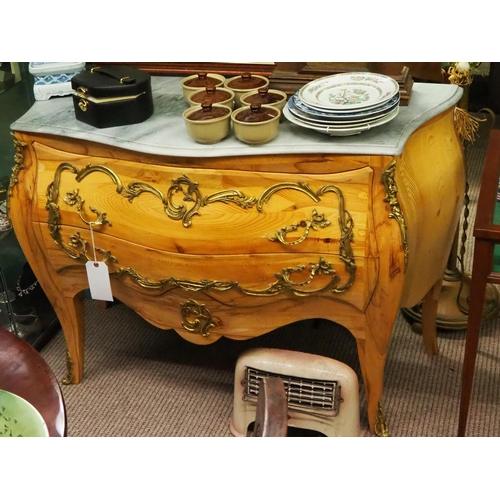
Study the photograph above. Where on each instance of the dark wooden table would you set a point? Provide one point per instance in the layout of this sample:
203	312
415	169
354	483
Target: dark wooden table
25	373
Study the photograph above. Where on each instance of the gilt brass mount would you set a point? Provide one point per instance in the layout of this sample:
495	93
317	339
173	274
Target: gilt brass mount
284	283
69	377
18	164
389	181
77	247
316	222
381	428
73	198
196	318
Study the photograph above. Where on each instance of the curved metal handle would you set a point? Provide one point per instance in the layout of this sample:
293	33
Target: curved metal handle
316	222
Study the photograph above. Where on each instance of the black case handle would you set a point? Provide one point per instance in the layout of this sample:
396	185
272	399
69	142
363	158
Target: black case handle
108	71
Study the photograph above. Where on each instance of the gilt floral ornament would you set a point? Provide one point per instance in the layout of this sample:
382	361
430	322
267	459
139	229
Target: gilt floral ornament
460	73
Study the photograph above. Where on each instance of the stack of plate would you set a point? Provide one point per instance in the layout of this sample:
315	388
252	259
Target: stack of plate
344	104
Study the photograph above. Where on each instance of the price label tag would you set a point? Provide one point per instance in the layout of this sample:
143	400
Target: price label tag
99	283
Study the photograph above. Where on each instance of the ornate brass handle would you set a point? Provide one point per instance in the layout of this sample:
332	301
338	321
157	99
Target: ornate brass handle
72	198
316	222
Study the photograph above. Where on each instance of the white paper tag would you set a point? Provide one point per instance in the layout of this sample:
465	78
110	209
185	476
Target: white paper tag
99	284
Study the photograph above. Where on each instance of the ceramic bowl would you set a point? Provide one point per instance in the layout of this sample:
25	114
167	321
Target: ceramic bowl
20	418
194	83
265	95
208	123
213	95
256	124
243	84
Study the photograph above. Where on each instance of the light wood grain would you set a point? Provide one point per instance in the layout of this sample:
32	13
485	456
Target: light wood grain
145	216
228	243
431	179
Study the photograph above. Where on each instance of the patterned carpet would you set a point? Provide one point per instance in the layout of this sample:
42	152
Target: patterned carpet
142	381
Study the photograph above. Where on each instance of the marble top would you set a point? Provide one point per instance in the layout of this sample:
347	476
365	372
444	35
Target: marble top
164	133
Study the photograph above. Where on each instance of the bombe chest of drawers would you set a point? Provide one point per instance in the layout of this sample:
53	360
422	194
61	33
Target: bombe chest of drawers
234	240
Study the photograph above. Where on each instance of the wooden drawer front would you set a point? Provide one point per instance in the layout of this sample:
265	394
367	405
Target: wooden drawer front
201	319
236	280
199	211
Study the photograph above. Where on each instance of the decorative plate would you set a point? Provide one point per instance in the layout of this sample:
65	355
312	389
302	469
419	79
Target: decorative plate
18	418
339	130
349	91
334	124
300	110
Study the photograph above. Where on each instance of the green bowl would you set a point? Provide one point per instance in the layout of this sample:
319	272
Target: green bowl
18	418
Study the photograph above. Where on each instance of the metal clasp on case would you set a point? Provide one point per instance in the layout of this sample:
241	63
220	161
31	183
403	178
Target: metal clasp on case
83	105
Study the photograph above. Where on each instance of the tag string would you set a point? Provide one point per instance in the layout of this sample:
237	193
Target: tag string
93	244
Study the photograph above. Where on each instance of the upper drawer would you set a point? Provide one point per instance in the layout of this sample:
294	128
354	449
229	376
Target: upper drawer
200	211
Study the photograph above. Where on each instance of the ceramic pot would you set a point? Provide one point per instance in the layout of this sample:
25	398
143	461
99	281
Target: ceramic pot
194	83
212	95
256	124
243	84
265	95
208	123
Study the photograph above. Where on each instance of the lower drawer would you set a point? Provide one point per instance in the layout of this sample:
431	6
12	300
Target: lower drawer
234	280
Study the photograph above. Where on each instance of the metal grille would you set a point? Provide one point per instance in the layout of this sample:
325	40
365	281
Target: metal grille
302	394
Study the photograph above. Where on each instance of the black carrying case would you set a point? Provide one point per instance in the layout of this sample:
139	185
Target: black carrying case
110	96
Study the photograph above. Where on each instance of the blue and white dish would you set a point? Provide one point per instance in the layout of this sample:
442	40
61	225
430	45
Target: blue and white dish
349	91
301	111
297	104
340	130
344	104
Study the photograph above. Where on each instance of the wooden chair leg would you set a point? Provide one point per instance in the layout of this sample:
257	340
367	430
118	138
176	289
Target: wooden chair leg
482	265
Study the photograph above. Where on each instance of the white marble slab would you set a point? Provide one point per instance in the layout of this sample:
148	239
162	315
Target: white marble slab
164	133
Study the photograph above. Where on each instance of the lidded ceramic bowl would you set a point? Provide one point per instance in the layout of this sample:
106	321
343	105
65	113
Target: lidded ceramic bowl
256	124
194	83
265	95
208	123
214	95
242	84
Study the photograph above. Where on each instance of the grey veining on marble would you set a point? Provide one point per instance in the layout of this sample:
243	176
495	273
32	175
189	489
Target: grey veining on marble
164	132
